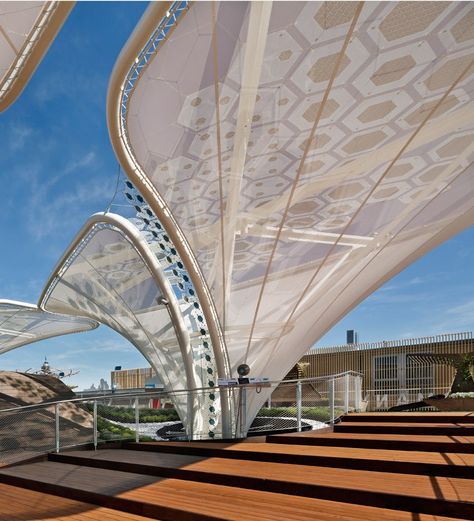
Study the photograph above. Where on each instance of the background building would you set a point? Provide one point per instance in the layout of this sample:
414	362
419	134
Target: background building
393	371
131	378
392	375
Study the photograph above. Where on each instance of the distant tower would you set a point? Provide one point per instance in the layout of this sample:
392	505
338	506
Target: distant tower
351	336
45	368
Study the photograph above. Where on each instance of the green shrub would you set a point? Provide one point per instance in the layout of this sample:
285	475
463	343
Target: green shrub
109	431
463	380
127	414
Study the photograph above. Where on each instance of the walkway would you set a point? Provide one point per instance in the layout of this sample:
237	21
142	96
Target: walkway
290	477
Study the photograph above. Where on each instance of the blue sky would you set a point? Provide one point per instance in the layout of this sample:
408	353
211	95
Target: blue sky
57	167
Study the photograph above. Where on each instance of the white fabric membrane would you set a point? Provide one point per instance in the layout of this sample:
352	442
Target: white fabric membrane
17	21
338	150
22	323
107	279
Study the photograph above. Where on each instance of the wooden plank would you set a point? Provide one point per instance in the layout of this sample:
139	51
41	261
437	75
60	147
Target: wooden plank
430	443
448	496
200	501
242	471
258	449
23	504
414	462
415	414
418	429
457	426
411	417
235	504
285	479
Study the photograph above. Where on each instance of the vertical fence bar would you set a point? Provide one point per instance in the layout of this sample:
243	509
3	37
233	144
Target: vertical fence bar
56	430
298	405
358	393
243	410
95	424
137	420
346	393
331	399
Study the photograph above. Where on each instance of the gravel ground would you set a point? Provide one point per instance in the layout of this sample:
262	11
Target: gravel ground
150	429
315	424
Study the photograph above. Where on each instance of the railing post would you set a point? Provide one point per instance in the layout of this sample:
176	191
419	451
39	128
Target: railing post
190	402
56	430
137	420
358	393
331	400
95	424
298	405
346	393
243	409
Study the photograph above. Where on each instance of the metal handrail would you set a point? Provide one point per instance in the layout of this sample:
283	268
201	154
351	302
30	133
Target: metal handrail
400	389
150	394
337	395
328	377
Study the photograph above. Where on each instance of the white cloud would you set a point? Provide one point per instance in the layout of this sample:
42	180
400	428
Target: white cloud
414	281
463	313
18	137
97	346
68	84
399	298
456	319
77	164
52	213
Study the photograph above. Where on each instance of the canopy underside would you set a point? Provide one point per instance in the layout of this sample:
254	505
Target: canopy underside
308	152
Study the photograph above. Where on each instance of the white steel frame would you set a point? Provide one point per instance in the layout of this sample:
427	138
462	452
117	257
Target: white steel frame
131	63
151	262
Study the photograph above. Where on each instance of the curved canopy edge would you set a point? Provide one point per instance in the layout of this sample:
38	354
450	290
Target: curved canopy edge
22	323
159	20
37	43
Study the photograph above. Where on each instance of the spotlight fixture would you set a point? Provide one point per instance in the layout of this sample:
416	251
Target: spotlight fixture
243	370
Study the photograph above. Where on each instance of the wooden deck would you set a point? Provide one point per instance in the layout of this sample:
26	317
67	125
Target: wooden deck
19	504
410	417
408	462
294	477
179	499
406	442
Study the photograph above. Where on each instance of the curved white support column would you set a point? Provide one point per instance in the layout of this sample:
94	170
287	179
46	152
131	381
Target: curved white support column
109	273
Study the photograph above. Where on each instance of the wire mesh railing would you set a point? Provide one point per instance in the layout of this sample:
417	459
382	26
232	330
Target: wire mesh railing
309	403
27	431
378	400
